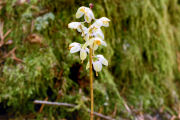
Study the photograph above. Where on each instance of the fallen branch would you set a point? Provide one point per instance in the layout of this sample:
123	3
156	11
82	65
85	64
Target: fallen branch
13	55
71	105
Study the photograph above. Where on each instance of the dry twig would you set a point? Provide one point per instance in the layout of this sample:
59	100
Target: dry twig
13	55
71	105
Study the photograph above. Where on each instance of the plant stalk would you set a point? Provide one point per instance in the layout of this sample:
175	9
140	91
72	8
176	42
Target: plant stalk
91	82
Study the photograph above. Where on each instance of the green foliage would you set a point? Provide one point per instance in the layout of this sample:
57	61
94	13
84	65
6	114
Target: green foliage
143	41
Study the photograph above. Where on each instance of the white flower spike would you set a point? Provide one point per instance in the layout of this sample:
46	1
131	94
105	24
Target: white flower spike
93	37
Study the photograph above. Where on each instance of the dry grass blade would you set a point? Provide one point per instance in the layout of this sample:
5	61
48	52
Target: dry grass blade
13	55
127	107
1	31
7	33
2	35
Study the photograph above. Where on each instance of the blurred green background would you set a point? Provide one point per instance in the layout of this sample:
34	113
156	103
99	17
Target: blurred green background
143	76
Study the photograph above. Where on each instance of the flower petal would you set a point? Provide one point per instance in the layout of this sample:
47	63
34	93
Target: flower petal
103	43
83	54
95	47
80	12
88	15
74	44
75	47
105	21
101	22
74	25
90	42
87	66
99	41
82	28
97	66
98	33
87	50
87	12
102	60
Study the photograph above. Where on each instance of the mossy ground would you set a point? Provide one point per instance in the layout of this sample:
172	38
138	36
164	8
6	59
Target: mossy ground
143	44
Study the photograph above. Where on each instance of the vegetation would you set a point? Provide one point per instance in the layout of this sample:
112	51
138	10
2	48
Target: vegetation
143	53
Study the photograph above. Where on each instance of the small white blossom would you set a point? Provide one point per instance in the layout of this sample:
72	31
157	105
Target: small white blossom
98	33
87	12
101	22
97	64
102	60
96	42
75	47
77	25
74	25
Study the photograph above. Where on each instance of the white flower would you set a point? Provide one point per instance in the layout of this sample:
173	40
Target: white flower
77	25
87	12
101	22
74	25
76	47
96	42
82	28
97	64
102	60
98	33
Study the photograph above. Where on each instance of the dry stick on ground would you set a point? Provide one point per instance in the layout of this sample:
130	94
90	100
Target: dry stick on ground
100	111
42	106
115	111
2	37
71	105
13	55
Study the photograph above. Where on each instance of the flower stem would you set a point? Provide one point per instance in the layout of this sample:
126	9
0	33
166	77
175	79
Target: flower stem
91	81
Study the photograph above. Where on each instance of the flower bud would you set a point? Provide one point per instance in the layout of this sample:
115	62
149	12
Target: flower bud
91	5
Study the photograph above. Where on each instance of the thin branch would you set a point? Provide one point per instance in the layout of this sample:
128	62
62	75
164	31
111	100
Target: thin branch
13	55
71	105
42	106
9	53
54	103
1	30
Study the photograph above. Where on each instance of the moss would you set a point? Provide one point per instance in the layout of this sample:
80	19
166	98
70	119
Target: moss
143	41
